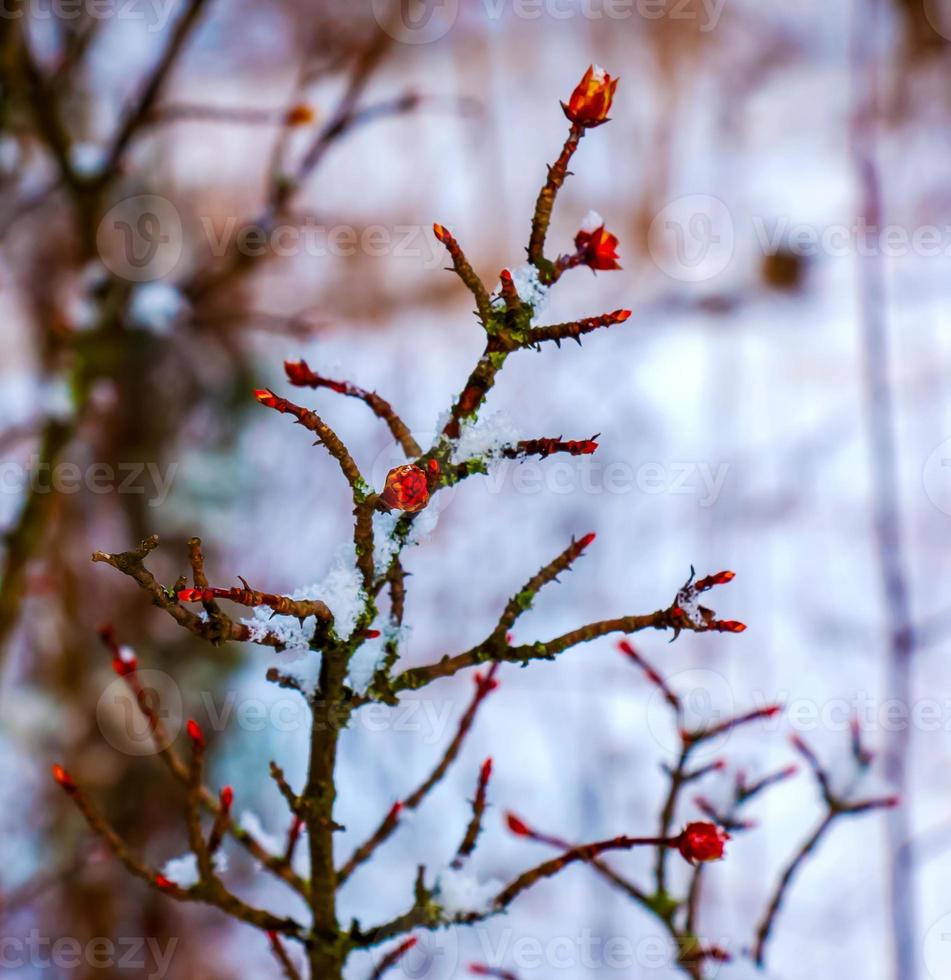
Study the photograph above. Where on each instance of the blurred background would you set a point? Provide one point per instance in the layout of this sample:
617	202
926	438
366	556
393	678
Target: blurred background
778	177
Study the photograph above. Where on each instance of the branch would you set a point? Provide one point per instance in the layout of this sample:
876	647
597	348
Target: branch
484	686
548	446
836	807
584	852
325	437
280	604
392	958
212	893
474	828
217	629
127	668
576	328
521	602
298	373
138	114
417	677
546	197
283	957
466	273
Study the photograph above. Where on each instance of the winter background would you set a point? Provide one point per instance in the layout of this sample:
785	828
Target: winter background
740	427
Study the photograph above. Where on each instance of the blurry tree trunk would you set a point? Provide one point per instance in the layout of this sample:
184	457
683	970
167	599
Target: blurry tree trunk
880	421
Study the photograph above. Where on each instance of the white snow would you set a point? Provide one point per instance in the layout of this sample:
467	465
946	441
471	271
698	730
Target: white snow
364	664
251	823
156	307
591	222
56	399
183	871
459	890
126	654
87	159
304	669
528	287
485	437
342	590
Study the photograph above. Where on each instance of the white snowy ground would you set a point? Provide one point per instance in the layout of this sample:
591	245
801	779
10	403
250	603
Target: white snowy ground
728	440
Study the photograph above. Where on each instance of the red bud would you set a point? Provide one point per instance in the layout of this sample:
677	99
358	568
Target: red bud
226	796
64	779
124	663
591	100
195	733
517	826
406	489
727	626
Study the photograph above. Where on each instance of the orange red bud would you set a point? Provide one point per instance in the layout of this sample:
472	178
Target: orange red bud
226	797
728	626
301	114
702	841
517	826
124	663
195	733
64	779
598	249
406	489
591	100
441	233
